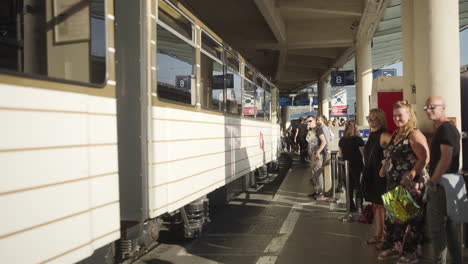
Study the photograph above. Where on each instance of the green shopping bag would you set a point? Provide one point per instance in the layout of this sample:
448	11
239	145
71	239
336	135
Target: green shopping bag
400	205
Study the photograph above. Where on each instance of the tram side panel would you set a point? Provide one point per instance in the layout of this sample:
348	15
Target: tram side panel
196	153
58	152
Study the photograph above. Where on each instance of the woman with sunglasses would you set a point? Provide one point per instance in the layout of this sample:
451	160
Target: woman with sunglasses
374	186
405	159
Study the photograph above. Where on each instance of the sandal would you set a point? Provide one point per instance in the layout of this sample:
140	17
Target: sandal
382	245
408	259
373	240
387	254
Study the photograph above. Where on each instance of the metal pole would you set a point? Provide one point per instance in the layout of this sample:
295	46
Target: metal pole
348	217
333	172
348	202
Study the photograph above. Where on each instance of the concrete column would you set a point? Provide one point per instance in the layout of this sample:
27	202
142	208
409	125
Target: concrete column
323	101
408	51
437	62
364	79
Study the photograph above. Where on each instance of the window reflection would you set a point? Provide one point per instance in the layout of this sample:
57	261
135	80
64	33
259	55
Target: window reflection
249	99
175	59
212	79
68	43
259	102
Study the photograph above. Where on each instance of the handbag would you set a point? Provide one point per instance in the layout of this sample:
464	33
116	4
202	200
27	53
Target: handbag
400	205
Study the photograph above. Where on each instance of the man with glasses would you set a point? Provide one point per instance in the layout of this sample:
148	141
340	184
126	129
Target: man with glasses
317	145
445	155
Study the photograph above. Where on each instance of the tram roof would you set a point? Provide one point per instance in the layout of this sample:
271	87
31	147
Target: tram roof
296	42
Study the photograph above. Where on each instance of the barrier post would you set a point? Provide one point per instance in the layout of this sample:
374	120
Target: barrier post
348	217
333	172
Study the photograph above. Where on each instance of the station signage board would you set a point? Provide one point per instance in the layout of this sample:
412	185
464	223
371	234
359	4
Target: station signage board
339	109
342	78
383	72
183	82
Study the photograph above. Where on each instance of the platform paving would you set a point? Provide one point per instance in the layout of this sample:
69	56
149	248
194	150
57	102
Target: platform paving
280	224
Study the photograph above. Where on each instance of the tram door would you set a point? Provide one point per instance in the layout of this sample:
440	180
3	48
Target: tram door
386	100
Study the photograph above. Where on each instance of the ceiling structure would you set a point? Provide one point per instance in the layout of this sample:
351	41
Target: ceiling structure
387	39
292	42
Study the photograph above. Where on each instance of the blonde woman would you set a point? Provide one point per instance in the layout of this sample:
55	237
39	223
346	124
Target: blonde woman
351	148
406	157
374	186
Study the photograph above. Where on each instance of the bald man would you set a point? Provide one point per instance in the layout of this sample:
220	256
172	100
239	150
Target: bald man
445	155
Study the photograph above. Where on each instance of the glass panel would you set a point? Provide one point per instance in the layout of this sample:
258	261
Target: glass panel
259	81
233	92
232	62
259	102
175	76
58	39
249	74
211	46
175	20
267	106
212	79
249	99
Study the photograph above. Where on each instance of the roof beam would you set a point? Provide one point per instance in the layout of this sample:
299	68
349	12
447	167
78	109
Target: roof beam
351	8
321	11
273	17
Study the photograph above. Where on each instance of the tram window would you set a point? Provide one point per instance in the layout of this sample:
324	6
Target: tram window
175	20
249	74
259	80
212	79
233	85
211	46
260	102
249	108
175	75
66	43
267	102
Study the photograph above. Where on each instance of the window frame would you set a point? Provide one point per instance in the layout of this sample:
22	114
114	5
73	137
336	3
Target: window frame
191	42
226	65
211	56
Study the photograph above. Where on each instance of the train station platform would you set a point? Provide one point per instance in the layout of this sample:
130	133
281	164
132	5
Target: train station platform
278	223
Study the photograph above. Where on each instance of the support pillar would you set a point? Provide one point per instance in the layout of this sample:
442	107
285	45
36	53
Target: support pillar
364	79
437	57
322	88
408	51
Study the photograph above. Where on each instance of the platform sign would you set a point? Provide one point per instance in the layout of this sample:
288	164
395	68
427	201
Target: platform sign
384	72
285	101
339	109
183	82
342	78
305	102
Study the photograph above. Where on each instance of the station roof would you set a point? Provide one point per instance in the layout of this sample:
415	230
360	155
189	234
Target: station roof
296	42
387	39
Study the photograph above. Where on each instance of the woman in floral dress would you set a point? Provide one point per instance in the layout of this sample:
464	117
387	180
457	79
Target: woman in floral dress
405	160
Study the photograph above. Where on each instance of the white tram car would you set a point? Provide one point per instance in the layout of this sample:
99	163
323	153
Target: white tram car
115	113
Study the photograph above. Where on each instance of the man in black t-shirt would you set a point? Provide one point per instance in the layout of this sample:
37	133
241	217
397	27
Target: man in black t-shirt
445	155
301	138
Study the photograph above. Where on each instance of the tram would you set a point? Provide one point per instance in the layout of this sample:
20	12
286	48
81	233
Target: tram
119	115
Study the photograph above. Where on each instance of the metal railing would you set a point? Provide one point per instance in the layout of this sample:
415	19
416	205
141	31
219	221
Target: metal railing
338	168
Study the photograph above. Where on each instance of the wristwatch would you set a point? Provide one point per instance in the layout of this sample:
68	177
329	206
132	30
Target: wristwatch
430	183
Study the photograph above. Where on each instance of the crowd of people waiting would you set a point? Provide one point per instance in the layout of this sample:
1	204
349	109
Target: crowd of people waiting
385	162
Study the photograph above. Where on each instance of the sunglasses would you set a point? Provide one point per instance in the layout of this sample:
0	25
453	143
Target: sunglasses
431	107
372	118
